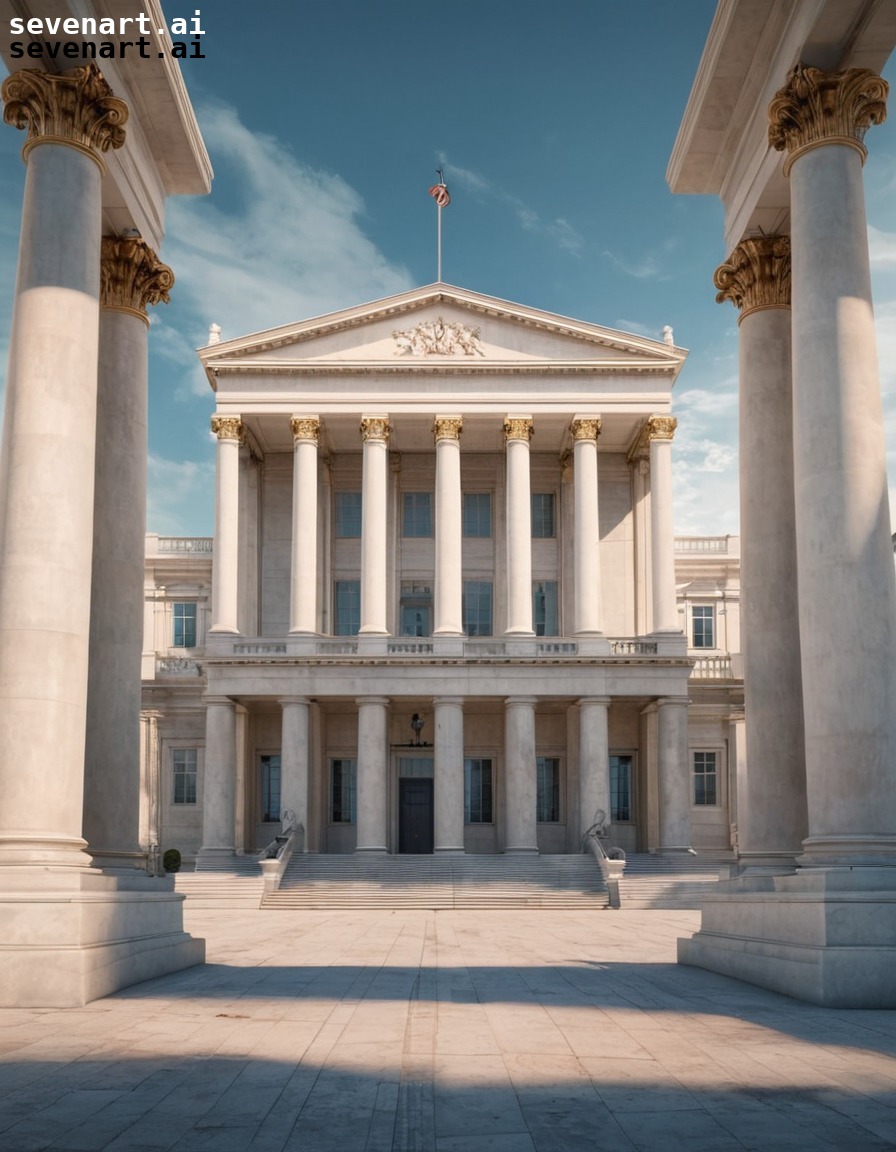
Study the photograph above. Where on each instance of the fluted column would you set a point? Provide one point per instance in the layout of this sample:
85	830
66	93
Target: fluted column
847	592
521	777
373	777
588	603
225	571
594	762
303	568
47	464
374	488
132	278
772	822
674	774
449	583
448	771
517	434
218	788
660	430
294	759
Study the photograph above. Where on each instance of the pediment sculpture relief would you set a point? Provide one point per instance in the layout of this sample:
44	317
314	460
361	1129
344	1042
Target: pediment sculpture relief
438	338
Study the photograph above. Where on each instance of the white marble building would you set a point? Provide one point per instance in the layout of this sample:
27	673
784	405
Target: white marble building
449	510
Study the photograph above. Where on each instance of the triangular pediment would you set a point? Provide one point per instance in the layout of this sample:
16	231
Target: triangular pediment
440	328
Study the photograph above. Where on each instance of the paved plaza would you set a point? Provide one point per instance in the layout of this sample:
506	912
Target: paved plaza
445	1031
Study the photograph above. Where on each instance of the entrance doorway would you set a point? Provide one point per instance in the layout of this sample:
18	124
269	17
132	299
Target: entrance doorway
415	816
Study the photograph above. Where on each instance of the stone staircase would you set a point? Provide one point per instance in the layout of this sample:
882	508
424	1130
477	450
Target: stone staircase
656	882
437	882
238	885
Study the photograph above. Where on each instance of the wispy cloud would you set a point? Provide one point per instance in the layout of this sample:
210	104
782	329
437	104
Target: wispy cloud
181	495
882	248
646	267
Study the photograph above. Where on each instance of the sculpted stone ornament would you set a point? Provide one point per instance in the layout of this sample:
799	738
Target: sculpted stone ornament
305	428
75	107
447	427
817	107
586	429
661	427
518	428
132	276
438	338
756	275
375	428
228	428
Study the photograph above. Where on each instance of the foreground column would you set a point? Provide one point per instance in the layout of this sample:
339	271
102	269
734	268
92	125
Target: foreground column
374	487
372	780
132	278
594	764
847	594
517	434
294	756
218	783
660	430
674	774
521	778
47	464
448	770
225	571
449	584
588	607
773	822
303	568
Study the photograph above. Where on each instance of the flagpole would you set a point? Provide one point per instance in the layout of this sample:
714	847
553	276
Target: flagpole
439	247
439	193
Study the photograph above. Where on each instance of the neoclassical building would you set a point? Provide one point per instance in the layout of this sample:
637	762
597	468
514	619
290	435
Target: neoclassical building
443	613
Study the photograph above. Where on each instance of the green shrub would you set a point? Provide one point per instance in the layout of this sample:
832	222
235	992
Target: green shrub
171	860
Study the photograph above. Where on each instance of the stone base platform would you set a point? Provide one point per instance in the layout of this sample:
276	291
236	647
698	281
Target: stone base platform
68	939
824	935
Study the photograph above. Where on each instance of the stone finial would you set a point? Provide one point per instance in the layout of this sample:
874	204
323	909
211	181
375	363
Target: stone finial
228	428
132	276
816	107
668	337
518	428
375	428
75	107
661	427
305	428
447	428
214	334
756	274
588	429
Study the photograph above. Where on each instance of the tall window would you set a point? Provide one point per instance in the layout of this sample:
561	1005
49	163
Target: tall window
184	764
416	609
347	603
477	514
478	791
348	514
543	524
416	514
548	794
270	789
184	624
621	788
705	778
477	607
544	608
342	791
703	626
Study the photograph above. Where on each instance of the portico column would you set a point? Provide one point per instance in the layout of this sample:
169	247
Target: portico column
660	430
225	570
303	569
674	774
448	591
594	763
448	770
588	606
521	784
132	278
372	782
294	753
517	434
47	464
374	485
772	823
847	592
219	781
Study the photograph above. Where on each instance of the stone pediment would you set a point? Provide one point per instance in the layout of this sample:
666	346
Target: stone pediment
440	329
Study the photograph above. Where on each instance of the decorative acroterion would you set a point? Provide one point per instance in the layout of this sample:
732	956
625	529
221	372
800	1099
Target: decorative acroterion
438	338
132	276
756	274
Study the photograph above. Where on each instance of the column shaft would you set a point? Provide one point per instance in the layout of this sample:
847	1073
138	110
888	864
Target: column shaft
448	769
373	751
294	760
662	544
517	431
449	586
225	571
674	775
594	763
588	606
374	539
303	568
219	780
521	782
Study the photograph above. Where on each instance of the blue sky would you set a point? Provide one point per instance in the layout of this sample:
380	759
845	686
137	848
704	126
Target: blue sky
554	124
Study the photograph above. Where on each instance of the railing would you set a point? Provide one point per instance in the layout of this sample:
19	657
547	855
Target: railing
717	544
177	666
410	648
623	647
713	668
275	856
186	544
612	863
260	648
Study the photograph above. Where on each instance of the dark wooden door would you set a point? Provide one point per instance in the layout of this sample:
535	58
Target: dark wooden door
415	819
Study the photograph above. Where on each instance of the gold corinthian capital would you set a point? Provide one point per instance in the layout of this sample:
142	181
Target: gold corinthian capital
132	276
660	427
375	428
447	428
588	429
228	428
756	274
75	108
305	428
816	107
518	428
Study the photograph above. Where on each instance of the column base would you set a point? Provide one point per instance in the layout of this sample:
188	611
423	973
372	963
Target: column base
826	936
64	948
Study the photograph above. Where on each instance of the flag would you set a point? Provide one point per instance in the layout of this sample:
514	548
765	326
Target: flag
439	193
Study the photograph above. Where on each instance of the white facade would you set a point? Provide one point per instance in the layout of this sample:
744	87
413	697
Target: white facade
446	508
